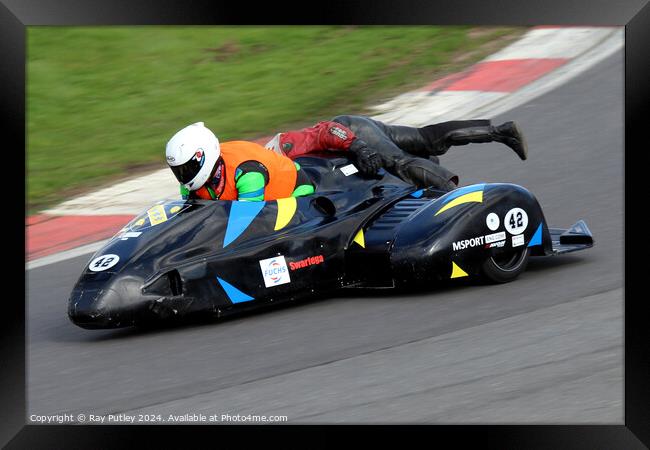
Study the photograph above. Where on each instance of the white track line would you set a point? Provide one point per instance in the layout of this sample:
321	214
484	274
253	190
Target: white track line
67	254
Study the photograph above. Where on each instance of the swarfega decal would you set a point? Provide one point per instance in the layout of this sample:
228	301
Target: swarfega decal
309	261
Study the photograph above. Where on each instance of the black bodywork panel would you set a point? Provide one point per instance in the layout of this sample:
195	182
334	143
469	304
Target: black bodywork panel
218	257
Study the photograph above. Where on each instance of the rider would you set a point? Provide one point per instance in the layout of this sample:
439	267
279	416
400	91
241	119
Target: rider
241	170
407	152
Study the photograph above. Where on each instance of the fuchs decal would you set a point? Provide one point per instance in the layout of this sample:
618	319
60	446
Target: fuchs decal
275	271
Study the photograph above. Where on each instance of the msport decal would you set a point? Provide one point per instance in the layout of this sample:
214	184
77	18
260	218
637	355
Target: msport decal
480	240
492	221
103	262
275	271
468	243
310	261
516	221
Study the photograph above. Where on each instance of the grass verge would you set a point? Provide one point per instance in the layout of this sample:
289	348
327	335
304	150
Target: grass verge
103	101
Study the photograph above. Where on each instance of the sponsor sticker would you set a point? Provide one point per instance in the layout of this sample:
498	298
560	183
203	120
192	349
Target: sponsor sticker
492	221
516	221
468	243
338	132
518	240
498	238
310	261
349	170
130	234
103	262
495	237
275	271
157	215
496	244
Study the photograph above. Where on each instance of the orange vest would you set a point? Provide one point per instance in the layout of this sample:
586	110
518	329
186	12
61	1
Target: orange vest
282	171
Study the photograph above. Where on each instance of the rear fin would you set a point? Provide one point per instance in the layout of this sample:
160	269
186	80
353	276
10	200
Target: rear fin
579	233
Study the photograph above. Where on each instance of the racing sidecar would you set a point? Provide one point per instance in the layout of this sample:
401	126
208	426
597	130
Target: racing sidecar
182	258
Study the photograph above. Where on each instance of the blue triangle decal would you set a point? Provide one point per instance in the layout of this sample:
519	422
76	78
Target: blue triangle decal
241	216
537	237
417	194
234	294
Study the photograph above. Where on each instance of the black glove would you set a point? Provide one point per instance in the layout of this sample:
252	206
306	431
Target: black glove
367	159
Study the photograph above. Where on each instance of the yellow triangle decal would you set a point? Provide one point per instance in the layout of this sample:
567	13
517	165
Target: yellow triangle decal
457	272
359	239
286	210
471	197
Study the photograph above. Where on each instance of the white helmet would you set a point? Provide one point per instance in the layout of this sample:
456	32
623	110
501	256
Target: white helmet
192	154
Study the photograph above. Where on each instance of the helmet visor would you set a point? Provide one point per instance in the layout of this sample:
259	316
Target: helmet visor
187	171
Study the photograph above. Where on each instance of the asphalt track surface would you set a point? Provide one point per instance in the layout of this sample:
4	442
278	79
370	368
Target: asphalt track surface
547	348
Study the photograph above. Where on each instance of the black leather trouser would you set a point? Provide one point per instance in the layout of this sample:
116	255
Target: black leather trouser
405	151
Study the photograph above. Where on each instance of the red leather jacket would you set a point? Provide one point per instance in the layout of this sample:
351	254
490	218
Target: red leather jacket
322	136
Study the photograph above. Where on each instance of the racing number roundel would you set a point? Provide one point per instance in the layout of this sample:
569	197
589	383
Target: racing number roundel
103	262
492	221
516	221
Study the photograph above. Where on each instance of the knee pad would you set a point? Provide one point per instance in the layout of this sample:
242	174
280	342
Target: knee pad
424	173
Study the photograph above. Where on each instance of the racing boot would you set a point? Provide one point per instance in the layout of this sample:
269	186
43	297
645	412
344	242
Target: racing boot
507	133
510	134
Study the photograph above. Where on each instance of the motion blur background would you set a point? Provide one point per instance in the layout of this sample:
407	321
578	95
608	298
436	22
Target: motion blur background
102	101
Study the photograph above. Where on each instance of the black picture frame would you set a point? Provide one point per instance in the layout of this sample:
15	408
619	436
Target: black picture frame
16	15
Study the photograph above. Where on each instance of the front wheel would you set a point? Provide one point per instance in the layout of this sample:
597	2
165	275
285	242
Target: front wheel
505	267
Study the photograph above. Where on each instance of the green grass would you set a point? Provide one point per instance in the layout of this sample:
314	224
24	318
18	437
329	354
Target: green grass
103	101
